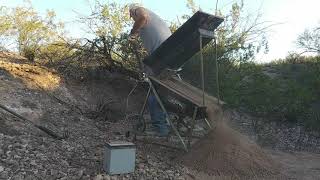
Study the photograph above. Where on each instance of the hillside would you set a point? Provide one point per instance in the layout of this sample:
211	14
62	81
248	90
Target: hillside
91	113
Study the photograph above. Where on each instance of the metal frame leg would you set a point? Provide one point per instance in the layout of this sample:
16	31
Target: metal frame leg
167	115
202	70
210	34
145	102
208	123
202	78
141	115
193	122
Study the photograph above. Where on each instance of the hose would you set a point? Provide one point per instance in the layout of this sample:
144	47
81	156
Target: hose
42	128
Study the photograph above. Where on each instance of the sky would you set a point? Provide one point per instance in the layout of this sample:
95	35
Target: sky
291	16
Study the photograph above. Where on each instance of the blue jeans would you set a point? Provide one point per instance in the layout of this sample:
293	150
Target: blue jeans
158	117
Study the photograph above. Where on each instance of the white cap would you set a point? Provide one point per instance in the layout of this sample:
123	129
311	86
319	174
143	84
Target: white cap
134	6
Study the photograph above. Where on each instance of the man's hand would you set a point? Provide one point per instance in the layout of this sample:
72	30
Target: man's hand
134	32
133	37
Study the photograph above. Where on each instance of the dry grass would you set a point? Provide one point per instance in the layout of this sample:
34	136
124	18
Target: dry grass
33	76
11	56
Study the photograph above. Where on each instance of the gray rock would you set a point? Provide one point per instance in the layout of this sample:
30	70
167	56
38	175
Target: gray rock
98	177
141	166
106	177
33	163
18	177
16	157
53	172
4	175
80	174
65	163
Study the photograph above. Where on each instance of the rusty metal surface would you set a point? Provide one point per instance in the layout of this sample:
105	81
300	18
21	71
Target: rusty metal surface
185	93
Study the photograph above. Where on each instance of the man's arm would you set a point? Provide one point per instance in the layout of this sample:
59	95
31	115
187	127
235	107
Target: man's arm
141	18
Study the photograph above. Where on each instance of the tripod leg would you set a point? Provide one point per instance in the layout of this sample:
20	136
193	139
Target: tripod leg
202	71
167	115
145	102
142	122
193	122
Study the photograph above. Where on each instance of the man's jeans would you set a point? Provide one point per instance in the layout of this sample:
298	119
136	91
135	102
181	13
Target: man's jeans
158	117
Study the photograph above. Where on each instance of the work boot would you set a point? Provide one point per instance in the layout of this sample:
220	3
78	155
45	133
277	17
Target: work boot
152	131
156	131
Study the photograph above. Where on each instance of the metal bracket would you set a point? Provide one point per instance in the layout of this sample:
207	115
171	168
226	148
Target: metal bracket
206	34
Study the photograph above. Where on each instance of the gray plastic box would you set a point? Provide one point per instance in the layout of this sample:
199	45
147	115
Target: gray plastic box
119	157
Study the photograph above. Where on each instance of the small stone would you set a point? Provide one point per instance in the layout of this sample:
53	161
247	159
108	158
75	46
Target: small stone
98	177
106	177
1	168
141	166
54	172
4	175
62	174
80	173
16	157
64	162
170	173
18	177
33	163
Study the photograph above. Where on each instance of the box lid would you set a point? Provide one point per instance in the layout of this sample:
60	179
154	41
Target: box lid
120	144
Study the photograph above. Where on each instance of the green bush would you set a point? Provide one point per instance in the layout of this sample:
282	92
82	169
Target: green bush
286	94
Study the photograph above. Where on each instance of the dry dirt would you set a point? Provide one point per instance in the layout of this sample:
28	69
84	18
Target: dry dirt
93	113
300	165
224	152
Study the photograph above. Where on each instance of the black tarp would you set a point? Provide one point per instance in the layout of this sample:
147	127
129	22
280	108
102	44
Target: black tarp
183	43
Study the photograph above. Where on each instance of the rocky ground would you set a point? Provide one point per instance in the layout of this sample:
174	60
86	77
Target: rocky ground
295	149
91	114
277	136
27	153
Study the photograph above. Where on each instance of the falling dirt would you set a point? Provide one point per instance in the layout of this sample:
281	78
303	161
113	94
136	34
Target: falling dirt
224	152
